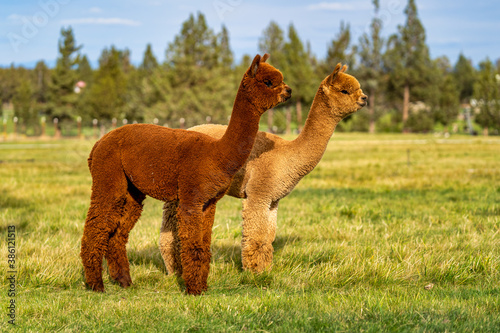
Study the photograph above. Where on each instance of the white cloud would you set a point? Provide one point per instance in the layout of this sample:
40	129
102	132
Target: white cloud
102	21
95	10
337	6
15	19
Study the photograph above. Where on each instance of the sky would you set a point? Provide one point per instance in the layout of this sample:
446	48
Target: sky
30	29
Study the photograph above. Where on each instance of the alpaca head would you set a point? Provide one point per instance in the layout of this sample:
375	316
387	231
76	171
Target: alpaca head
343	92
264	85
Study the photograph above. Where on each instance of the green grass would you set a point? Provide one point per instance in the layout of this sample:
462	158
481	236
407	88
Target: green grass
380	218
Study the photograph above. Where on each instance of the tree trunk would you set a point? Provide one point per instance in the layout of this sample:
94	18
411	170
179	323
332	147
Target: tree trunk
406	106
288	114
299	116
371	112
270	120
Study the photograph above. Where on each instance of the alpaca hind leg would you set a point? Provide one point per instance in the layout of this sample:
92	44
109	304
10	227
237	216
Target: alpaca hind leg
195	229
116	256
101	222
107	204
170	246
208	222
259	231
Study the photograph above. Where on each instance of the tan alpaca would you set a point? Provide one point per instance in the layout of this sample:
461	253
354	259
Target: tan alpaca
273	169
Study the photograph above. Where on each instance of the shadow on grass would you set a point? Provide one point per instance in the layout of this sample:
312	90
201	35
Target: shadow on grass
149	255
232	253
9	201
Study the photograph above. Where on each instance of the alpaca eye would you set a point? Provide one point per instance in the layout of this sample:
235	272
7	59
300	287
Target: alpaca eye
268	83
345	92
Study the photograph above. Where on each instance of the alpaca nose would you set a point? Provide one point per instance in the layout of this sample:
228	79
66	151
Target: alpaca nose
364	98
288	90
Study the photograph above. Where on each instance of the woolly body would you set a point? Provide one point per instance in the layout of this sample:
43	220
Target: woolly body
275	166
191	169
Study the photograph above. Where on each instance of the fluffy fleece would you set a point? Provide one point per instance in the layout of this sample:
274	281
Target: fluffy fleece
191	169
274	168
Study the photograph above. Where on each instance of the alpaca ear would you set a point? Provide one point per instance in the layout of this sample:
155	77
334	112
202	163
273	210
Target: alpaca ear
335	72
344	68
252	70
264	57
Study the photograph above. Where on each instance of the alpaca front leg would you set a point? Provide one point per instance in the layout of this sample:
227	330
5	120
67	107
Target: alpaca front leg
194	234
170	246
259	231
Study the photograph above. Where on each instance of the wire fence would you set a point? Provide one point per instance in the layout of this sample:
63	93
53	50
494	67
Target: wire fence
13	129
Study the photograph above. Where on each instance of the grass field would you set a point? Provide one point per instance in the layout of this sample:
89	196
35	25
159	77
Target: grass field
388	233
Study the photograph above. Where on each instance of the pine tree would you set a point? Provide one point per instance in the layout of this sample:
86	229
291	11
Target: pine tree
447	101
62	96
272	41
41	78
24	104
298	73
465	76
107	95
340	50
196	69
407	59
9	83
147	88
370	70
149	62
84	71
487	95
195	46
225	54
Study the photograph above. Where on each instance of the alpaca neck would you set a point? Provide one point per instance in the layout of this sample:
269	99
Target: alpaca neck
239	138
320	124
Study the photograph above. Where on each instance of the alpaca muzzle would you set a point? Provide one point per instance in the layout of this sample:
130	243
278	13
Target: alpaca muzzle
287	94
363	101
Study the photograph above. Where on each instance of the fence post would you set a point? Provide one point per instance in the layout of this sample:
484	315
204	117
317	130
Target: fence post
57	131
102	131
5	128
79	123
113	123
182	121
43	120
94	125
208	119
15	127
125	121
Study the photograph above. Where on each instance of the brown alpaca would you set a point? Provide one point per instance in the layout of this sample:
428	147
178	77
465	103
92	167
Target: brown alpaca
273	169
189	168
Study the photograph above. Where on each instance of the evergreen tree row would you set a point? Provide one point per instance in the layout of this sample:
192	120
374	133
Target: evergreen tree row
197	81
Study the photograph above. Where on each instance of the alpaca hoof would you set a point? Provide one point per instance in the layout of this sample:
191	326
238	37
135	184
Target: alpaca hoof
98	287
198	290
124	280
257	268
257	258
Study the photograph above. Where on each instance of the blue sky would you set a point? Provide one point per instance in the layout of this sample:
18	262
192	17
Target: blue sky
29	30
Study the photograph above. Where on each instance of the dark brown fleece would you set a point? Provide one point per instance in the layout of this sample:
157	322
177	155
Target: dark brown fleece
190	168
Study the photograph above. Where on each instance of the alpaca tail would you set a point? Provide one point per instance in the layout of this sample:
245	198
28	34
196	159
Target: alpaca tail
89	160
